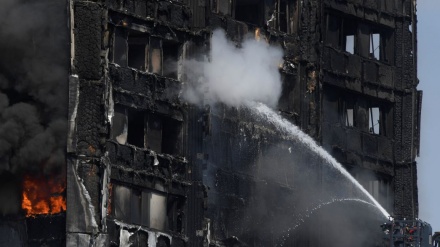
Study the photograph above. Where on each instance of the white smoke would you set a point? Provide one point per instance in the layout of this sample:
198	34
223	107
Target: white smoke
234	75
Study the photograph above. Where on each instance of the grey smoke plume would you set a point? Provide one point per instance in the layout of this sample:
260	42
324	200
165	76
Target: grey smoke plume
33	86
234	75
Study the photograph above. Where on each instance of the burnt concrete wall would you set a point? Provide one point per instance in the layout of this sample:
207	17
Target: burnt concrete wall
99	163
389	85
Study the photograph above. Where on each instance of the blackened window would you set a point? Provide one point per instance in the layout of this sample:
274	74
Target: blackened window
221	7
146	207
145	129
349	36
375	46
170	59
347	111
119	125
135	130
140	207
380	118
249	11
120	47
140	51
374	124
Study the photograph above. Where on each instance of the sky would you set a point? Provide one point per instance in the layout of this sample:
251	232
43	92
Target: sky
428	65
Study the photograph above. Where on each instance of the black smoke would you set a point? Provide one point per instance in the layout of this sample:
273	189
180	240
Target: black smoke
34	63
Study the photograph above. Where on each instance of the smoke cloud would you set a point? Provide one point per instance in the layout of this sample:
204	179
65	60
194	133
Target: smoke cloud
33	86
234	75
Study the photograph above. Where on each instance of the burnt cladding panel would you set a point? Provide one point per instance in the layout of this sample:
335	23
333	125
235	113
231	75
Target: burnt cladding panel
88	40
89	118
195	205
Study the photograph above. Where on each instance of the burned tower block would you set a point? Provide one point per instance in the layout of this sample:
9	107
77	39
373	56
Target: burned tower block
146	168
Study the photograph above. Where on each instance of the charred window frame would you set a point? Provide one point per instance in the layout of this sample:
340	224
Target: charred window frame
366	114
349	29
170	59
347	111
380	117
287	13
221	7
151	208
283	16
382	45
138	48
120	47
119	125
341	33
375	121
333	31
149	130
143	52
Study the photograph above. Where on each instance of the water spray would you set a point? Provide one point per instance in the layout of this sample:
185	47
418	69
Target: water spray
289	128
310	212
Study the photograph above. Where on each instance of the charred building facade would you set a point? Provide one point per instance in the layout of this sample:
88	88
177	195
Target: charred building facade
147	168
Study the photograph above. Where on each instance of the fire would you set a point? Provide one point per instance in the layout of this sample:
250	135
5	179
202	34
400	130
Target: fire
43	196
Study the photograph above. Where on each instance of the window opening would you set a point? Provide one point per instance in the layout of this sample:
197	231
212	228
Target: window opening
283	16
349	35
249	11
147	130
295	18
170	59
119	125
120	47
140	207
346	111
349	44
334	24
138	51
349	119
373	188
221	7
121	203
172	137
175	213
135	130
155	56
375	45
374	123
154	133
158	209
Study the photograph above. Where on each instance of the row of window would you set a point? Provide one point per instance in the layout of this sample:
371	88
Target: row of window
371	117
146	130
356	37
150	208
282	15
364	113
145	53
373	114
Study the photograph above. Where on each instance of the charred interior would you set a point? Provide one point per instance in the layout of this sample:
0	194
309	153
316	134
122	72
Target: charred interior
99	148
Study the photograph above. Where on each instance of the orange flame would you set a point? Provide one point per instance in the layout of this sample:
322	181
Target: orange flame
43	196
